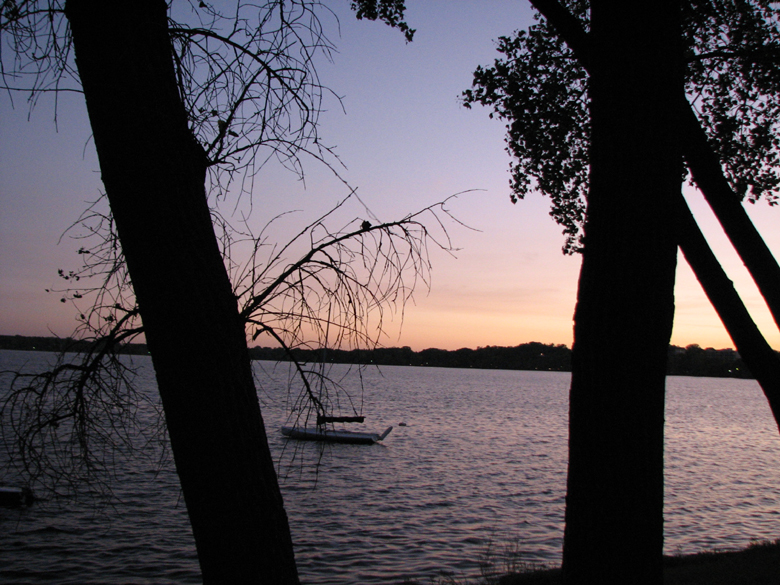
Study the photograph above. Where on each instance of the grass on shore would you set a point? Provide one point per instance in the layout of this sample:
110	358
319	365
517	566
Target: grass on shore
759	564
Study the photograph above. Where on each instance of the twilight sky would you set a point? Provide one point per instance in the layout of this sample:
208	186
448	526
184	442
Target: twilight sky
407	143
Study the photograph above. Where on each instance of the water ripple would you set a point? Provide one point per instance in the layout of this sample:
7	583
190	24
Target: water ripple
482	459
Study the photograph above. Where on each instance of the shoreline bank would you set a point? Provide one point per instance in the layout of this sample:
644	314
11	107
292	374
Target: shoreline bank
758	564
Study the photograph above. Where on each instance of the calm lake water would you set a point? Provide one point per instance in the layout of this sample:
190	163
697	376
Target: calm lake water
482	459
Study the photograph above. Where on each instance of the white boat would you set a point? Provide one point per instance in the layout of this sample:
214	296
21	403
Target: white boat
334	435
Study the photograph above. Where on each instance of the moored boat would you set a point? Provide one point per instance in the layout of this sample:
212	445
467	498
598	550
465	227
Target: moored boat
334	435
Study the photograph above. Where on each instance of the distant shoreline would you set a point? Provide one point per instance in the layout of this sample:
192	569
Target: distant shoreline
534	356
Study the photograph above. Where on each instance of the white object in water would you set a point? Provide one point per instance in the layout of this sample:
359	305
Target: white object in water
333	436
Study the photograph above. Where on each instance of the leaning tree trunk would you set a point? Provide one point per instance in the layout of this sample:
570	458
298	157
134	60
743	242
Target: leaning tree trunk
725	203
762	361
625	303
154	171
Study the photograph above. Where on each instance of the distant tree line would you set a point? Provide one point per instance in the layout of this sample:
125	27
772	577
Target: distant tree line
528	356
62	344
693	360
683	361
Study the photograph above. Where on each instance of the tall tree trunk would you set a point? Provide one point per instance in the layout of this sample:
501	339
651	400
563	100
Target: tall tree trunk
154	171
625	304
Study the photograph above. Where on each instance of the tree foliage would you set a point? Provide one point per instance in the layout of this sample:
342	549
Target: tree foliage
541	91
731	52
390	12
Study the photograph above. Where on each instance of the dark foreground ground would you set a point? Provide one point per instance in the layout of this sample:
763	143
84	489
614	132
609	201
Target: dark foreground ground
759	564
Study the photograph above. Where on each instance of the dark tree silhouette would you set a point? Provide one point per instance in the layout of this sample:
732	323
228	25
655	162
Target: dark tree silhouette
543	90
705	169
154	172
168	104
614	498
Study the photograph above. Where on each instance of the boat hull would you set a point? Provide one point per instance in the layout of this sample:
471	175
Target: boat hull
333	436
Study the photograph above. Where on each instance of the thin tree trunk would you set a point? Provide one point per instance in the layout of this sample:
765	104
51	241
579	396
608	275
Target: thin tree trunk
625	303
154	171
762	360
708	174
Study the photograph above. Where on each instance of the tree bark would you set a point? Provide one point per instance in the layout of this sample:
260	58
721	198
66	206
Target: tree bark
154	171
625	303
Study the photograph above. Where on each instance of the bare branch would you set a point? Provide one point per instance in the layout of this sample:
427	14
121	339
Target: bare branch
251	90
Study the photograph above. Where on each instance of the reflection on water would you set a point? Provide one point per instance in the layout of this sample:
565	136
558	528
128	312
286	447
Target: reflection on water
483	456
723	465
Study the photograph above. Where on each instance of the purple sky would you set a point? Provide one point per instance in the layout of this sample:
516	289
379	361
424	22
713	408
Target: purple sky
407	143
